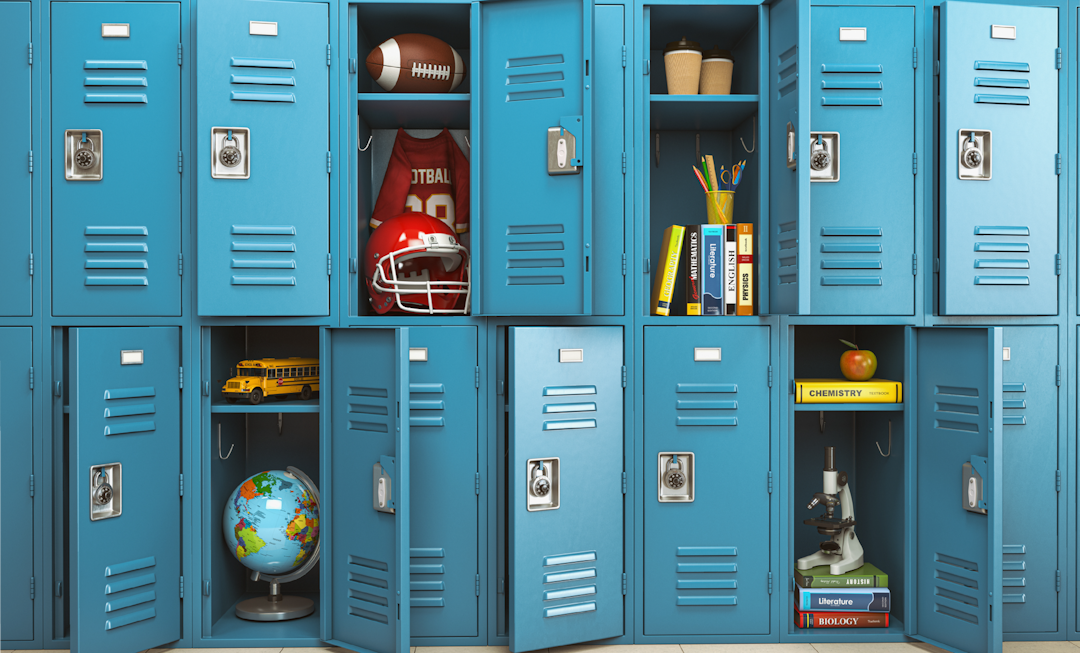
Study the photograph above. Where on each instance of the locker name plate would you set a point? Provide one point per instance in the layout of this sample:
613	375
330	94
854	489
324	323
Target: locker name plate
116	30
262	28
852	33
1003	32
571	355
131	357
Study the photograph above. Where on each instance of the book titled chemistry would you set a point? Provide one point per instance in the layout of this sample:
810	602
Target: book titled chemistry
871	599
842	391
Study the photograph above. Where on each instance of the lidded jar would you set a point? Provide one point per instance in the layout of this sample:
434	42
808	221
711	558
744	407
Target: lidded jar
682	64
716	67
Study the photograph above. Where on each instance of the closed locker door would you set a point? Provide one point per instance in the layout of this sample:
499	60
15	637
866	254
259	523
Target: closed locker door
998	134
16	469
442	418
862	191
125	528
1030	528
565	498
17	161
263	138
536	232
115	158
708	405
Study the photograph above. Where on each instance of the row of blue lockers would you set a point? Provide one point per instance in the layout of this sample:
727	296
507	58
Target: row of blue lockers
457	431
848	220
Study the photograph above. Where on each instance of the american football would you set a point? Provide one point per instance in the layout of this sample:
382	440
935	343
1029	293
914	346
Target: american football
416	63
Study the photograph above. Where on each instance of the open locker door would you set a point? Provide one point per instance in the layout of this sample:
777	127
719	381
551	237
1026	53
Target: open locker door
566	500
959	505
124	448
536	131
365	449
789	174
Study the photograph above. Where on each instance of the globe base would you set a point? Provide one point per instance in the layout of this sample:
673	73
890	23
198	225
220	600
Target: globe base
271	608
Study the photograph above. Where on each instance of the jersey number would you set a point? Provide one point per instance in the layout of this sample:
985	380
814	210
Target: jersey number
431	207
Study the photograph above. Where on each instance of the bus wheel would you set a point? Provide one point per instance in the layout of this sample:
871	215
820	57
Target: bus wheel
230	400
305	393
256	396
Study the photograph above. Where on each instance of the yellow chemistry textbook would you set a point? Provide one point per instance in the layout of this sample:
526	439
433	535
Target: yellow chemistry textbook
842	391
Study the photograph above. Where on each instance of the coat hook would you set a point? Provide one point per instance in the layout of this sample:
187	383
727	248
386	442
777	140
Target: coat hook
697	148
280	421
658	150
883	454
821	421
754	146
365	148
226	456
467	142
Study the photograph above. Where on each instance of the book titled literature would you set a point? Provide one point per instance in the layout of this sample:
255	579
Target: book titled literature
804	619
713	273
842	391
865	576
745	303
731	269
692	265
843	600
667	269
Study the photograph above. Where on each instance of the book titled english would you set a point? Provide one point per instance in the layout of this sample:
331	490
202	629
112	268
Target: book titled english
804	619
811	599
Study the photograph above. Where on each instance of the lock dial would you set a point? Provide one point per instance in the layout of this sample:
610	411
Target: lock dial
541	486
230	155
103	492
820	159
85	159
972	158
675	479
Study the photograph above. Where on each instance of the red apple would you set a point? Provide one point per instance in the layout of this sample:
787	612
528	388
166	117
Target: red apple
858	364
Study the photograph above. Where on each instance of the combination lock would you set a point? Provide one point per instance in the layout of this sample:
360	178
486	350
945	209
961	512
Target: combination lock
972	156
541	484
820	159
86	158
230	154
103	491
674	477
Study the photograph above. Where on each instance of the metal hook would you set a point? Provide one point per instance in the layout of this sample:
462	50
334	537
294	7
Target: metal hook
697	149
821	421
658	150
467	142
754	146
883	454
280	421
226	456
365	148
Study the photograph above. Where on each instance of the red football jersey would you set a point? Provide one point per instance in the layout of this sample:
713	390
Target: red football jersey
426	175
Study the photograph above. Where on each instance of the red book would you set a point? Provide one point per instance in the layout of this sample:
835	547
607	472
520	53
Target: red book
841	619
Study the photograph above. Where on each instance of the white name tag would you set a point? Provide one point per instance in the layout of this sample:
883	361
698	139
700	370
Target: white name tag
852	33
262	28
116	30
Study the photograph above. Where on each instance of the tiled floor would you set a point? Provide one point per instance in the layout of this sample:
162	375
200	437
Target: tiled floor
1010	647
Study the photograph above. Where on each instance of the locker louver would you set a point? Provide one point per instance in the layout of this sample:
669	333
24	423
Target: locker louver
432	407
706	411
956	409
369	590
535	254
116	256
858	249
705	575
1001	82
130	592
128	77
568	407
263	247
568	580
426	573
1004	248
1014	404
369	410
534	78
837	92
1014	569
129	410
261	79
956	592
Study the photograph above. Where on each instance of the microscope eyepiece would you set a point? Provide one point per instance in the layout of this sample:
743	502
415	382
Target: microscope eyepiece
830	459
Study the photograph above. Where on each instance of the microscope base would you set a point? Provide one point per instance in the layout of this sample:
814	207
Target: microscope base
850	556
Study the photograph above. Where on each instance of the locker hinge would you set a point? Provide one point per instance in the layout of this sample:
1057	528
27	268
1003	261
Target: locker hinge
179	54
31	264
914	265
624	376
937	67
647	66
624	265
770	481
328	55
206	388
30	162
937	264
60	589
624	163
915	163
792	583
353	264
180	264
31	377
1057	58
792	387
1057	264
1057	574
624	584
32	588
352	65
624	56
914	57
327	163
1057	163
476	376
181	377
329	264
478	584
770	582
770	376
30	53
31	485
501	587
500	387
206	588
476	484
57	389
181	485
180	162
1057	375
181	587
624	482
646	265
1057	480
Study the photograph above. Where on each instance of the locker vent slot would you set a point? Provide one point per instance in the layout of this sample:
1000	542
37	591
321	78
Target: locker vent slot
130	592
564	610
1004	66
836	92
575	592
956	409
850	85
565	424
1014	576
850	68
566	576
116	248
983	98
114	81
569	558
534	238
122	403
369	589
533	78
1015	405
587	407
113	98
787	79
571	593
1007	244
996	82
269	80
252	62
369	410
851	102
426	578
432	408
267	247
263	96
114	65
841	250
550	74
570	390
788	246
957	596
703	590
721	415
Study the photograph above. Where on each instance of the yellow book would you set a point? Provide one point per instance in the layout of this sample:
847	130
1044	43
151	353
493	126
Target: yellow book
842	391
746	269
667	268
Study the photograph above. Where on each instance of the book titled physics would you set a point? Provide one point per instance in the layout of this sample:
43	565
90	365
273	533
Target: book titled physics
870	599
745	303
842	391
805	619
667	269
865	576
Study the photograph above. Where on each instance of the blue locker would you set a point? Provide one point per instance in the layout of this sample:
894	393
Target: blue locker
959	427
443	407
125	436
862	205
116	223
565	498
707	393
998	224
263	136
16	163
537	228
16	481
365	454
1030	522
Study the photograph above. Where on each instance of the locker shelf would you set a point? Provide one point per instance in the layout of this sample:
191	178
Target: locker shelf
291	406
414	110
850	407
716	112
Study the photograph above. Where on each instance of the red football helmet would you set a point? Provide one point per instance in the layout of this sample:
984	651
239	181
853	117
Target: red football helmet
413	264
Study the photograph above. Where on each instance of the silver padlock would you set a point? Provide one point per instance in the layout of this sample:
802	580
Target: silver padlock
541	484
820	159
103	491
972	156
674	477
230	154
85	158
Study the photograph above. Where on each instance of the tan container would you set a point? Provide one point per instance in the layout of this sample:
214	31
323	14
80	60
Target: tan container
716	67
682	64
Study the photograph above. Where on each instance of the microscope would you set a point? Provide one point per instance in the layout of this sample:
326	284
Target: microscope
842	551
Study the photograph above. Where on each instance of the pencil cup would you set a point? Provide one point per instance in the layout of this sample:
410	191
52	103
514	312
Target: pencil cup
716	67
682	65
720	206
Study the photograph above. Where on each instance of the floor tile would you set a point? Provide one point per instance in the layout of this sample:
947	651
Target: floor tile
1039	647
315	649
618	648
462	649
747	648
876	647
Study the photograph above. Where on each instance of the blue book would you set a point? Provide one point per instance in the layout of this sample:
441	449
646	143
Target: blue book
712	274
871	599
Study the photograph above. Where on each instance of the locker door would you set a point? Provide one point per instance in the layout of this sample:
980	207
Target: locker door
609	201
125	423
998	226
365	574
863	223
116	240
263	77
16	467
566	537
16	246
1030	523
536	233
442	420
958	552
789	180
702	576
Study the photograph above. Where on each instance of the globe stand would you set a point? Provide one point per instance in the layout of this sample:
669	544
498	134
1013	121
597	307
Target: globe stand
277	606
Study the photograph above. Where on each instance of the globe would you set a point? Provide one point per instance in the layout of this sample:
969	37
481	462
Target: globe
272	523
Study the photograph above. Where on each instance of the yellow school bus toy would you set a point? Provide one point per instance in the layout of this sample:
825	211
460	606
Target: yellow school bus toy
260	378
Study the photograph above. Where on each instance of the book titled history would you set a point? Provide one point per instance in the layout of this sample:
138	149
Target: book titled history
812	599
807	619
865	576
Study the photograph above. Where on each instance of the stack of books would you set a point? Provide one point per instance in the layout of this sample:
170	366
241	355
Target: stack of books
715	262
858	599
